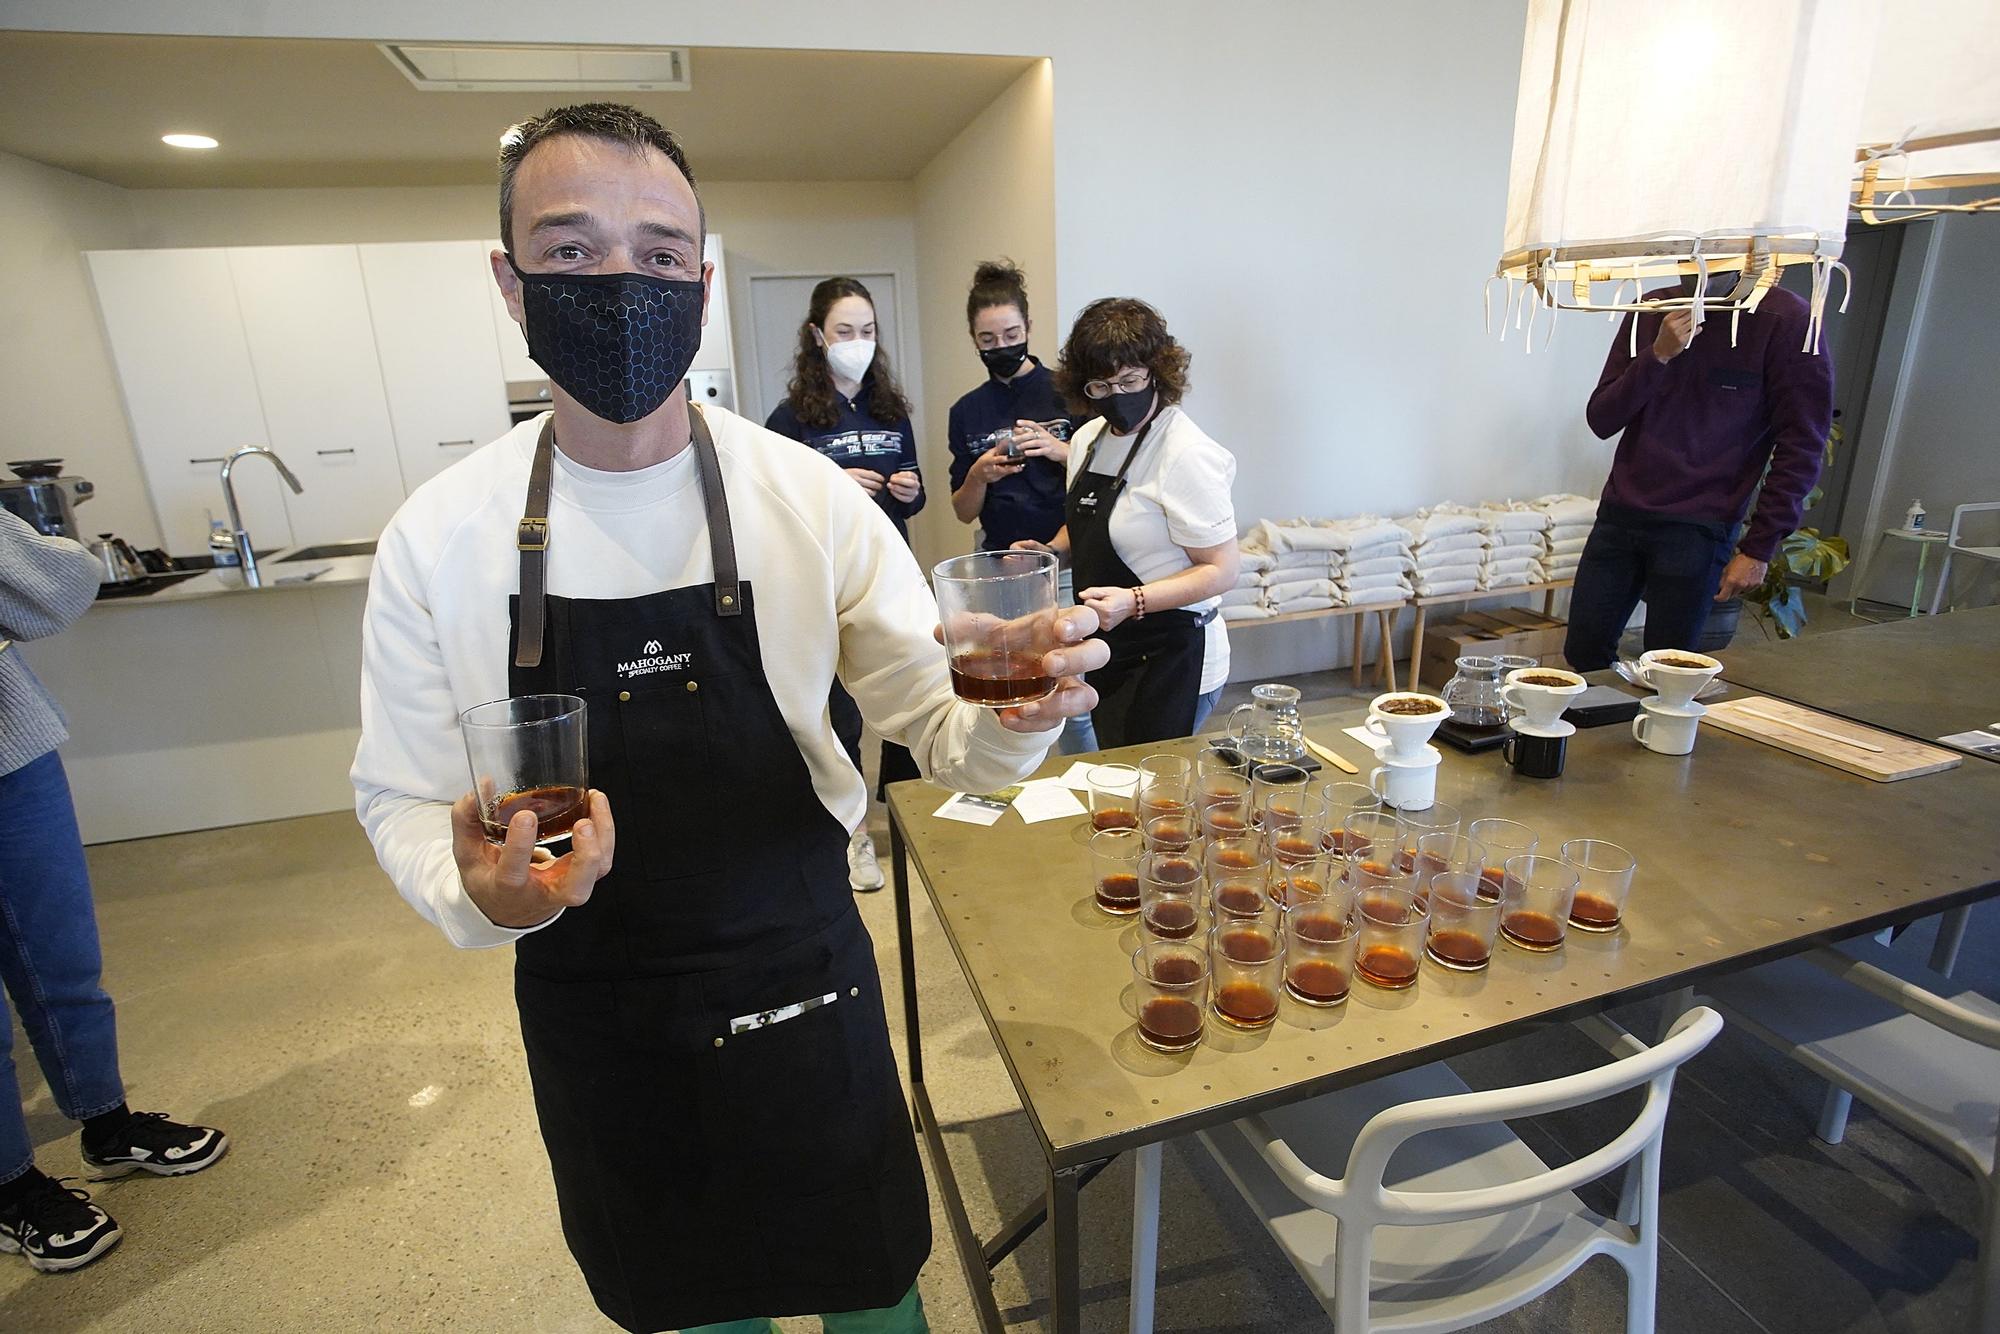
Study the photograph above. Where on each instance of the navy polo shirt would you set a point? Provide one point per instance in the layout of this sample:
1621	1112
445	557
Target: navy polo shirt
1030	503
857	440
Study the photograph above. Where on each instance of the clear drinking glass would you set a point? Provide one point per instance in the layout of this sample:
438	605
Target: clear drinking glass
1220	774
1338	800
1463	924
1239	875
1113	797
1502	839
1170	906
1179	872
527	754
1535	897
1302	880
1374	841
998	610
1279	789
1320	940
1437	818
1604	879
1440	852
1114	866
1166	786
1171	833
1226	819
1392	936
1247	961
1171	979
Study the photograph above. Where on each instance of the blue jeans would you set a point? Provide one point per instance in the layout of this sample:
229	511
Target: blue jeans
1205	705
1674	564
49	959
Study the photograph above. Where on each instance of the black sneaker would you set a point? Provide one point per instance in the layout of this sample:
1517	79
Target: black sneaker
56	1227
151	1143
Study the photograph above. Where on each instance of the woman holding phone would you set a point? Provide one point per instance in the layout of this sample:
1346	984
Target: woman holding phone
1149	531
843	401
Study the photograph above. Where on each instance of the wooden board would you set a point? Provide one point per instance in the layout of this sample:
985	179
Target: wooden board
1899	757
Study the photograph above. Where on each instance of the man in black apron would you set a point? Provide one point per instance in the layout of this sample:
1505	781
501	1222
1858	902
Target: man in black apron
702	1016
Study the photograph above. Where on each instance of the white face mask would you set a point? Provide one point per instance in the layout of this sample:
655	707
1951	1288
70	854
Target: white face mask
850	359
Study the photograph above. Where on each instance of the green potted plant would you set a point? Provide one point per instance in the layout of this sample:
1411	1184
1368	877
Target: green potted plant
1806	556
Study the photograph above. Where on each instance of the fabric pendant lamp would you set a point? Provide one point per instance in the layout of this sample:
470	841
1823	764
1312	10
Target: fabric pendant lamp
1660	139
1931	120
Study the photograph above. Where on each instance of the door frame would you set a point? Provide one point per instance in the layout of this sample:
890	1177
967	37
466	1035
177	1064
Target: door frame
903	317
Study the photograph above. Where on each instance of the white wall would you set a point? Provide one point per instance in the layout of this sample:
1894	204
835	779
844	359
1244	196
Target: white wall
987	194
62	390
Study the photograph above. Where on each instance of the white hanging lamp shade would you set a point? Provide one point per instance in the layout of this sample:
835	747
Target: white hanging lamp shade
1661	138
1931	120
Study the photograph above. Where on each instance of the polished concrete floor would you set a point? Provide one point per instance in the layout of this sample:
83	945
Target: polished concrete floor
386	1173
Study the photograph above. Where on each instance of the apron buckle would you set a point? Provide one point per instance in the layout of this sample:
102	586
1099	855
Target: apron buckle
532	535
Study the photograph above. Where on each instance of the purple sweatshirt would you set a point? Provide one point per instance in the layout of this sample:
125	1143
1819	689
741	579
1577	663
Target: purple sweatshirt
1700	428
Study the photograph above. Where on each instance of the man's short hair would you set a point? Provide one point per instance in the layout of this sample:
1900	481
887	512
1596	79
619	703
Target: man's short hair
609	121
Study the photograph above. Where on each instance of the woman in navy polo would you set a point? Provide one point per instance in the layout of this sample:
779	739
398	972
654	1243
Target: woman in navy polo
844	402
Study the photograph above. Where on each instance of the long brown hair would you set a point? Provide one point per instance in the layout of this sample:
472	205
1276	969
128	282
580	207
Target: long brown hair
1120	331
811	392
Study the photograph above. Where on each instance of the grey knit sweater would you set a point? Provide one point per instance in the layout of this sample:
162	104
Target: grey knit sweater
45	584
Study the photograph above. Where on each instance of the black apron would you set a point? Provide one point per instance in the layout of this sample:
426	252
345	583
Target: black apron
1147	692
719	1152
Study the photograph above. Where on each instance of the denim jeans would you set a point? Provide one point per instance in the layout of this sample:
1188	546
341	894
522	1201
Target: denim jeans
1078	736
1674	564
49	959
1205	705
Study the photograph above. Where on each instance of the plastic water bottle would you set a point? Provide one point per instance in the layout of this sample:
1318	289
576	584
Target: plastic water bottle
1914	520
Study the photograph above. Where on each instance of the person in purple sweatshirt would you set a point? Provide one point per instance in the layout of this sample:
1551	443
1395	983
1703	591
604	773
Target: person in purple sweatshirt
1703	421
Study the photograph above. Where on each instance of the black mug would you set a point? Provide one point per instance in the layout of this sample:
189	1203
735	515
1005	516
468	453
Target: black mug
1536	756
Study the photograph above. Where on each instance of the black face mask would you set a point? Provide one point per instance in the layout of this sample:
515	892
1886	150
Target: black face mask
617	343
1125	411
1004	362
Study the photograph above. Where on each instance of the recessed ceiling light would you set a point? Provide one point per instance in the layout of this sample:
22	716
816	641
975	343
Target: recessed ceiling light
188	140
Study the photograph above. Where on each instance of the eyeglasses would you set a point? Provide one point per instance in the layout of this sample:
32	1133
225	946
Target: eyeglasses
1129	383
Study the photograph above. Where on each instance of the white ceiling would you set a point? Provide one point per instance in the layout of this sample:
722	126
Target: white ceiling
337	113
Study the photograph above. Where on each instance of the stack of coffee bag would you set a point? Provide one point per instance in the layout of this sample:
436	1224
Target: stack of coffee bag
1448	547
1570	518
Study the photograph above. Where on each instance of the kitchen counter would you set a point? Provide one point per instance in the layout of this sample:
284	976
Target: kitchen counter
276	578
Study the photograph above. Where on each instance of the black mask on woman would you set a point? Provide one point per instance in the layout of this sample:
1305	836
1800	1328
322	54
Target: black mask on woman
1004	362
617	343
1127	410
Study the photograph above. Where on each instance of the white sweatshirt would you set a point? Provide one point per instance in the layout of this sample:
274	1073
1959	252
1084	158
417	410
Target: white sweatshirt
834	589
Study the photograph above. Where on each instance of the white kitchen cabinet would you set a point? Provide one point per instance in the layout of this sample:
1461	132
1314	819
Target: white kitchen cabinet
439	351
190	390
514	362
305	318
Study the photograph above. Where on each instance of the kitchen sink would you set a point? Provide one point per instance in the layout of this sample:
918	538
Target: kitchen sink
328	551
151	584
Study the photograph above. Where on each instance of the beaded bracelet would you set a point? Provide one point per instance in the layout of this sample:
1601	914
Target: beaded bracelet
1139	602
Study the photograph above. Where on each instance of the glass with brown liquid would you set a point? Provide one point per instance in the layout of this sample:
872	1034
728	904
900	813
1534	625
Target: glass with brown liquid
1462	923
1502	839
1171	982
1246	959
998	612
1115	858
1392	926
1113	799
1604	880
1535	897
1226	819
527	753
1320	939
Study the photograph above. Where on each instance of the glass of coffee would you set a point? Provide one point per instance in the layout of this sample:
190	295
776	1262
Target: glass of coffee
1297	880
1392	936
1279	787
1440	817
1113	797
1114	865
1166	786
1171	833
1604	879
998	611
1170	980
1170	906
1439	852
528	754
1374	842
1502	839
1462	923
1337	801
1226	819
1535	897
1247	960
1220	774
1320	940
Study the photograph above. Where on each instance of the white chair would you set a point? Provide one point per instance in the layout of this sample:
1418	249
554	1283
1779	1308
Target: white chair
1911	1043
1955	547
1472	1223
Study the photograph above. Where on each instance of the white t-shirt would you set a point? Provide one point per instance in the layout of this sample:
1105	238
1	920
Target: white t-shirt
1176	496
835	588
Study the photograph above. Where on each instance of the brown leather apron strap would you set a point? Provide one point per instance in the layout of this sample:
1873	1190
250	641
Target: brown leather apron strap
721	537
532	540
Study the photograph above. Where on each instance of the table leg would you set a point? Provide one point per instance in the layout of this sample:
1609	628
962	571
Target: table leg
906	954
1951	934
1360	624
1145	1236
1065	1279
1856	586
1388	627
1943	589
1917	593
1417	646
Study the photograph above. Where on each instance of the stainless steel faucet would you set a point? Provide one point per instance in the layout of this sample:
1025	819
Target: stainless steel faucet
245	556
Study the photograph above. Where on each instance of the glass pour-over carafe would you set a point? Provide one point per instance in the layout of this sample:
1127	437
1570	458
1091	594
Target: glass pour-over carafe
1474	693
1267	730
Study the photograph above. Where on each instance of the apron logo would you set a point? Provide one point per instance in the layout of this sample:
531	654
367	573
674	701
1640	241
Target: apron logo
652	659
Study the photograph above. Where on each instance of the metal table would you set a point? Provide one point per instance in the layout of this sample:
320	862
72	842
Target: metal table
1746	854
1924	678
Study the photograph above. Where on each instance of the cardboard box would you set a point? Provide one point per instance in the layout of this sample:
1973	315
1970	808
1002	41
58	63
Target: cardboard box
1489	634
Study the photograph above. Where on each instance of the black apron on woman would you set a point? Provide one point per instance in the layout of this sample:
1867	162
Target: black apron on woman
705	1036
1147	692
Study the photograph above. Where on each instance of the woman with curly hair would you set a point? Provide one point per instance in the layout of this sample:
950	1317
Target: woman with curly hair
844	402
1149	529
